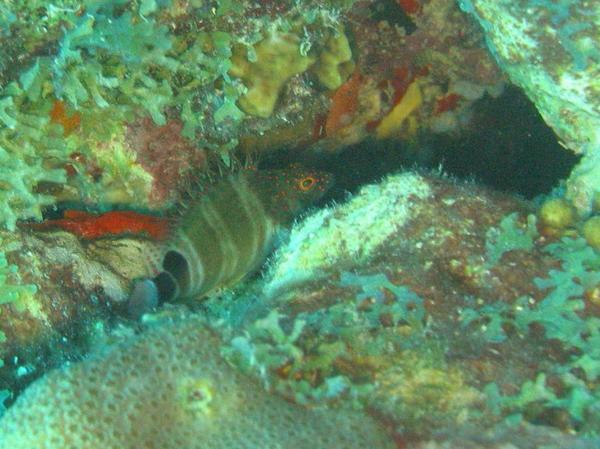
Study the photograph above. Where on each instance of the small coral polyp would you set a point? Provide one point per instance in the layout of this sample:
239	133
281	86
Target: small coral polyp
196	395
557	213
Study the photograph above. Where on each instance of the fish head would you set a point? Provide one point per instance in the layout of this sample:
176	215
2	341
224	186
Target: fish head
297	188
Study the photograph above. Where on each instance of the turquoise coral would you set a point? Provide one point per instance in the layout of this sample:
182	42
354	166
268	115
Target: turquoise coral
508	236
103	63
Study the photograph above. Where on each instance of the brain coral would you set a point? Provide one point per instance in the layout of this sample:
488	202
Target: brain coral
169	388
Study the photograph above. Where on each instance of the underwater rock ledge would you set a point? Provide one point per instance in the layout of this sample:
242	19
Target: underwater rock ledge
433	306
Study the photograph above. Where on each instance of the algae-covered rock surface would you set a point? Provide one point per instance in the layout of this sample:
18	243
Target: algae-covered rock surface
387	295
433	307
436	305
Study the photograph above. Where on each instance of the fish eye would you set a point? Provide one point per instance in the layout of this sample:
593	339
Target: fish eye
306	183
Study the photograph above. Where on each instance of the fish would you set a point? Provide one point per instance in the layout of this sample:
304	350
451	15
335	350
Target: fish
227	232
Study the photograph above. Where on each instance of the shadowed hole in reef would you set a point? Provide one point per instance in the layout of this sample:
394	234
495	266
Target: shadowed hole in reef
507	146
388	10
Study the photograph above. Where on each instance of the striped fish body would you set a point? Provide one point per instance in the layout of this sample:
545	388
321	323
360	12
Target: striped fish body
228	232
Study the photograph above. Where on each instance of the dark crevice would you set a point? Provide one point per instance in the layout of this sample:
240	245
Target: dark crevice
507	147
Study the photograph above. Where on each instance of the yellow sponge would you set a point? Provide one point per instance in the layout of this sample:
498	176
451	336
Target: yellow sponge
170	389
278	58
335	64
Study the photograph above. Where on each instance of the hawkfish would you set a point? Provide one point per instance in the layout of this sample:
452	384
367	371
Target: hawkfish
228	231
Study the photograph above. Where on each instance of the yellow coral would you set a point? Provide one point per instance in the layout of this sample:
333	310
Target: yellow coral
278	58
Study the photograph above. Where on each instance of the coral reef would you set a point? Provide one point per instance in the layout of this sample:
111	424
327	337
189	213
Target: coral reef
78	111
13	291
445	313
170	388
522	437
167	156
62	291
428	304
433	47
432	304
